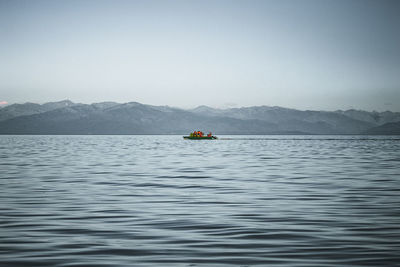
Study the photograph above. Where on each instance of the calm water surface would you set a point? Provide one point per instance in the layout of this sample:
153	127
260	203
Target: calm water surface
165	201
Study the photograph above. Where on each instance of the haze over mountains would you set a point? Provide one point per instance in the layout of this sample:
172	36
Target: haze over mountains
66	117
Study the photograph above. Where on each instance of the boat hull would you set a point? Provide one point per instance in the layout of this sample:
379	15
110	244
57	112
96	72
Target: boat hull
200	138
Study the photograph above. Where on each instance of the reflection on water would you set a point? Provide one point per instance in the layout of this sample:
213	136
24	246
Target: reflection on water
165	201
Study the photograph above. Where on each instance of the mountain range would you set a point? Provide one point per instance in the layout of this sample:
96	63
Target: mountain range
66	117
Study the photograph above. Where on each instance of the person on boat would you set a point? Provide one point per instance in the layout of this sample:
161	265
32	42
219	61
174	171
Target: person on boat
209	134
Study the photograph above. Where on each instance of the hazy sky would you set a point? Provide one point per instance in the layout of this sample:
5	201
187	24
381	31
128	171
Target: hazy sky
300	54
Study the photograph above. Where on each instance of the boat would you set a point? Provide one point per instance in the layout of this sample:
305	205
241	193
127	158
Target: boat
199	135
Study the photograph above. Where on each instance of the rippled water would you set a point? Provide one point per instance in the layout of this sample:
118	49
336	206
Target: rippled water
165	201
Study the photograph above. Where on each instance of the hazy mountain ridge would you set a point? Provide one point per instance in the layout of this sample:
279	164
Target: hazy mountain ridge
16	110
390	128
279	113
339	122
66	117
378	118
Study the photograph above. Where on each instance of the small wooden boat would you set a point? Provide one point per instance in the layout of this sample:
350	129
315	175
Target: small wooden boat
199	135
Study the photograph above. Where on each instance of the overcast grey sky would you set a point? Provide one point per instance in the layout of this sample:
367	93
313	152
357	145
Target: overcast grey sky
299	54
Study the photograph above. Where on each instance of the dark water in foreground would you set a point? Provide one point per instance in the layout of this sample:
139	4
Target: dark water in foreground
165	201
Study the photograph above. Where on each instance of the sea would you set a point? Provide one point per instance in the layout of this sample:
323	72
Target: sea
149	200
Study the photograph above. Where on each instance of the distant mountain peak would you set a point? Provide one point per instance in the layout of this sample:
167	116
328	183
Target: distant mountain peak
65	102
203	107
133	104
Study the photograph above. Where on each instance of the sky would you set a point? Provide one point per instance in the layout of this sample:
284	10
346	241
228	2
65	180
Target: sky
309	54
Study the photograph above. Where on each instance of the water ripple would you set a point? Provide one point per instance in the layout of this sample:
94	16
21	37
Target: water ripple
240	200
